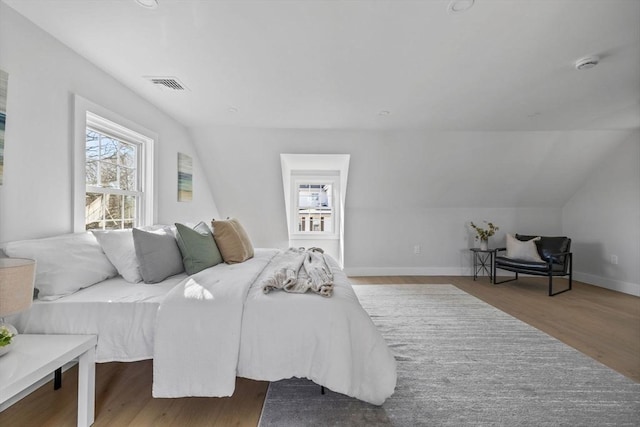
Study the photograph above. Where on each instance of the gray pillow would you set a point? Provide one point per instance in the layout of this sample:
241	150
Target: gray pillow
199	250
158	254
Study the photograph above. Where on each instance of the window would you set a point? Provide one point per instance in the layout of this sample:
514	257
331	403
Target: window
314	197
315	208
115	196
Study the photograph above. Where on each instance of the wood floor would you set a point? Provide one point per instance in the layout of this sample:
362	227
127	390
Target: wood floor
600	323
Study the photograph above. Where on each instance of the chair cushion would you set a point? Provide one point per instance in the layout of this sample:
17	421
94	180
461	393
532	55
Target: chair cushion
520	263
547	246
529	267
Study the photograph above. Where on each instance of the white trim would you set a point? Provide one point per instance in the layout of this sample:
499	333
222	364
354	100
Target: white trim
407	271
603	282
83	106
612	284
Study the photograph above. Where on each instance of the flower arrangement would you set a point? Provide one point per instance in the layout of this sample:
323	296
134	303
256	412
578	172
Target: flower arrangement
5	336
484	234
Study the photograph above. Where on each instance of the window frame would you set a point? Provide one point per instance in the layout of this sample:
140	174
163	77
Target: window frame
93	116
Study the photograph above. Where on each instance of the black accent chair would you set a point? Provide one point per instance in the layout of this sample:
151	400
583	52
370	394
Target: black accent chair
555	253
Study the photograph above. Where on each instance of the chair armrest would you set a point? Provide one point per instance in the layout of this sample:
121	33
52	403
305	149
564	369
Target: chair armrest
500	249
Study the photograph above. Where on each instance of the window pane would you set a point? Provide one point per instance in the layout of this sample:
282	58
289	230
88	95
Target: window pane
129	208
91	173
127	179
315	208
314	195
93	209
113	209
127	156
108	175
93	145
111	164
108	149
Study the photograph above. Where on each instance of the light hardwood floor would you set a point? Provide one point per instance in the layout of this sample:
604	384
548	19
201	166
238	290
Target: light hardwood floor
600	323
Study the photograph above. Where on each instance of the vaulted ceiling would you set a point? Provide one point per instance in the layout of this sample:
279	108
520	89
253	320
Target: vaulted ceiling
501	65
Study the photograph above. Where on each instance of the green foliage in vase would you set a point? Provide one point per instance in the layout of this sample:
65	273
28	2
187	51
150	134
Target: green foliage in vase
482	233
5	336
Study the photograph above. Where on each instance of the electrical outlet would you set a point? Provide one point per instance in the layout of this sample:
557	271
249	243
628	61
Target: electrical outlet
417	249
614	259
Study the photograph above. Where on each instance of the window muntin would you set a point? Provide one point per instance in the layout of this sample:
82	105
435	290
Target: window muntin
113	177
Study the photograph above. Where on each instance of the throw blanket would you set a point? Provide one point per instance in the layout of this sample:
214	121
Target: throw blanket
300	270
197	333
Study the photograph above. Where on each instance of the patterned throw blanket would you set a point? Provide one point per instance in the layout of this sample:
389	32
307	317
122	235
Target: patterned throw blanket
300	270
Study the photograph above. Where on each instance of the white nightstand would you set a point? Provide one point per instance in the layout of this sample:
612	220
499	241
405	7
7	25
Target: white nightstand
33	357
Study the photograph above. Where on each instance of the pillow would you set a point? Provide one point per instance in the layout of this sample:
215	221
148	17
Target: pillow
547	246
232	240
64	264
199	250
118	246
158	254
526	251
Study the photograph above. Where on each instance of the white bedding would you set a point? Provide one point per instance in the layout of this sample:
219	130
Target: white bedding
122	314
331	341
198	330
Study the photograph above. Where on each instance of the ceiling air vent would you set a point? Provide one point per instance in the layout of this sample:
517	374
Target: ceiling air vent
167	83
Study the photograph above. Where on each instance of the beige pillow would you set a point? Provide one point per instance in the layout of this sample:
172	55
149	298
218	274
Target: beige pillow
526	251
232	240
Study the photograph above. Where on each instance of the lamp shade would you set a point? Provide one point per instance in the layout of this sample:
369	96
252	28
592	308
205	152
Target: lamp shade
17	276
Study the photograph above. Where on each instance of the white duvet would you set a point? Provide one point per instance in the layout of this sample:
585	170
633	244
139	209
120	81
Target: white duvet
218	323
331	341
198	329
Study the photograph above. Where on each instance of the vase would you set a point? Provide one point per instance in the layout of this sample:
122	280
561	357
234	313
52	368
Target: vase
484	244
5	349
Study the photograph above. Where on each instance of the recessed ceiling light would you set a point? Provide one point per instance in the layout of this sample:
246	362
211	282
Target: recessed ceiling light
586	63
233	109
384	113
459	6
147	4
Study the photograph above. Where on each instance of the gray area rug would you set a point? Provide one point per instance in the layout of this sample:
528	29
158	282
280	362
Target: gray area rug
463	362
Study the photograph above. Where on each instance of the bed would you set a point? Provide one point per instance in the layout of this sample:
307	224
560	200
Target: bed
203	330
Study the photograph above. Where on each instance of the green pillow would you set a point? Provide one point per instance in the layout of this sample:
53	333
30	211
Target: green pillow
199	250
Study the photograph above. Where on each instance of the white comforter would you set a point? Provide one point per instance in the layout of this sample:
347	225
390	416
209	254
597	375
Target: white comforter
331	341
218	324
198	327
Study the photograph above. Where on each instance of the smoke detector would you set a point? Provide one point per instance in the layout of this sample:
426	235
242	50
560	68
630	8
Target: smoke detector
147	4
459	6
168	83
586	63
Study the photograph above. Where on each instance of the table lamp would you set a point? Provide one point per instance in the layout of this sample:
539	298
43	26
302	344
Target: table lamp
17	276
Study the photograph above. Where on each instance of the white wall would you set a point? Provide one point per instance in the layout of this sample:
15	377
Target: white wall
603	218
409	188
36	198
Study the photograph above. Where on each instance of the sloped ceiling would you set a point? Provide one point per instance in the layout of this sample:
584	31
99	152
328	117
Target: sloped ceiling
502	65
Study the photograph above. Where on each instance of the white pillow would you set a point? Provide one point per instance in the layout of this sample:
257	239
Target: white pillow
64	264
118	246
526	251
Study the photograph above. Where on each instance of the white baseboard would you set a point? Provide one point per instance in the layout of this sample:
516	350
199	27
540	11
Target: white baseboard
603	282
407	271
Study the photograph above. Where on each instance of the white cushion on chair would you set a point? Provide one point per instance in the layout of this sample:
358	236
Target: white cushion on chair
526	251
